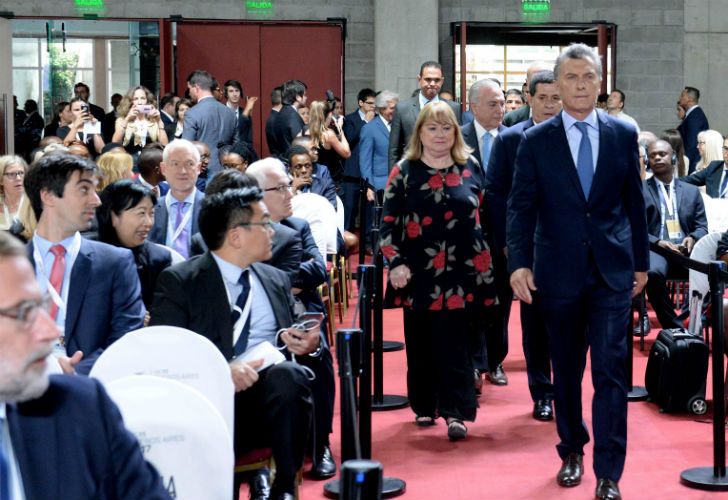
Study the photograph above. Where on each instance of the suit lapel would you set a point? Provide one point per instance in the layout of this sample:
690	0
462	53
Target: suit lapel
216	305
607	143
80	275
561	150
196	211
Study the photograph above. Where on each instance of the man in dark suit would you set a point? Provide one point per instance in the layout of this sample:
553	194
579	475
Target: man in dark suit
524	112
430	80
351	182
166	108
714	177
176	213
676	221
108	124
208	120
246	303
67	439
243	122
150	171
288	123
545	103
276	105
577	235
94	287
490	342
82	91
694	122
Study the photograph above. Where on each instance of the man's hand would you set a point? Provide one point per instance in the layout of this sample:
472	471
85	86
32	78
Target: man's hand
669	246
400	276
249	104
370	194
68	365
245	373
522	284
300	342
640	280
299	182
369	115
688	243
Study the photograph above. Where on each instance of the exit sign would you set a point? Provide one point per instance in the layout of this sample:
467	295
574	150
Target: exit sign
536	6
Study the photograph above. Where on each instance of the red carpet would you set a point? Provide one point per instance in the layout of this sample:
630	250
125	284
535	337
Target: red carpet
508	455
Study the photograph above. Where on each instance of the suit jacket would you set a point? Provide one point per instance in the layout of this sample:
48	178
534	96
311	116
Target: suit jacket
374	153
519	115
352	129
694	123
269	124
555	231
243	128
403	124
312	271
178	300
212	123
322	184
71	443
470	136
151	259
690	210
287	124
709	177
104	300
163	186
166	119
499	178
108	125
97	111
158	234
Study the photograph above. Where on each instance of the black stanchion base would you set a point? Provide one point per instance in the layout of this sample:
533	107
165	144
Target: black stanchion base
391	346
703	478
391	487
389	402
638	393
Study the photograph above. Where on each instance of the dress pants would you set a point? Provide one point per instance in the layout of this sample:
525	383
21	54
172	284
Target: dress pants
276	413
439	365
657	292
595	318
323	390
351	189
536	351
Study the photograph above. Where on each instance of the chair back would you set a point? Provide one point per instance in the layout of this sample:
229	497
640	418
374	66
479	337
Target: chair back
703	251
716	211
321	216
174	353
181	433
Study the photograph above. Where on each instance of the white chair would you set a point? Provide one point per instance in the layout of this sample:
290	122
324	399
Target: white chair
716	211
180	432
175	353
176	256
340	215
703	251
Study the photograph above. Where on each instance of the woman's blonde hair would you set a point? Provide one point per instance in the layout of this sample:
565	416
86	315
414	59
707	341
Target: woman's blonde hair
441	113
713	148
8	161
126	102
319	110
112	167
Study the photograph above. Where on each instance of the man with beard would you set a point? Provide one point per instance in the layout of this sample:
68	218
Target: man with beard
60	437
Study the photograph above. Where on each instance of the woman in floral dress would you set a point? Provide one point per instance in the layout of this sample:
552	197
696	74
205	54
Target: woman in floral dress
439	266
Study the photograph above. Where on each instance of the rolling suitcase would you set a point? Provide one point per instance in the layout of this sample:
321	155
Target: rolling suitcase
677	368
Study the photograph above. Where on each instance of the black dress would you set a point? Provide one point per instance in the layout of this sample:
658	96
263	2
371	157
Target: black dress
333	161
151	260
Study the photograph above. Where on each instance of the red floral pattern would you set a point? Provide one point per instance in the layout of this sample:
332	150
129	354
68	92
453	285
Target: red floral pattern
413	229
435	182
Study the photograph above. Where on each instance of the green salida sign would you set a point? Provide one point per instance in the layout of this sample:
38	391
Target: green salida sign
536	6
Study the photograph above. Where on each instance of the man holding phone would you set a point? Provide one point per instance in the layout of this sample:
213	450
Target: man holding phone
247	303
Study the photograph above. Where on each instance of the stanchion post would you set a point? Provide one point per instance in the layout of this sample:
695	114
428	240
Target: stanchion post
366	272
362	221
348	356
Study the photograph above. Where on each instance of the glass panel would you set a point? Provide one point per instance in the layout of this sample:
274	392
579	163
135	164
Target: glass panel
26	85
118	69
84	49
25	52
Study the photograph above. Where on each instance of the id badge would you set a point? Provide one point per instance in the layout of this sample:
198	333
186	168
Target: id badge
59	346
673	229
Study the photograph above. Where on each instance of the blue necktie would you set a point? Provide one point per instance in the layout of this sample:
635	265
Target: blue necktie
242	342
485	150
721	192
585	161
4	465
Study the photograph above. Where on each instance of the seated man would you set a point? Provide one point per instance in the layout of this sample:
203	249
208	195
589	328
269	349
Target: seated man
321	181
675	221
230	297
67	439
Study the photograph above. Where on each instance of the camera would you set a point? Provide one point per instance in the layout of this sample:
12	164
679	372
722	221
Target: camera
145	108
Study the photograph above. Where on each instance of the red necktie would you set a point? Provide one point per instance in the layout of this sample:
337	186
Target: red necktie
57	272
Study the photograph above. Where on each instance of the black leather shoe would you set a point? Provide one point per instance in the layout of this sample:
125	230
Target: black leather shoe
642	326
607	490
478	383
571	470
282	493
324	466
497	376
259	484
542	410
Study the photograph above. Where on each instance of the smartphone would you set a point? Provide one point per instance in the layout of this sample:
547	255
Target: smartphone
145	108
84	108
318	316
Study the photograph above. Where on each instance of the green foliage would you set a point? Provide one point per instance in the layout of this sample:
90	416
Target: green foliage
62	77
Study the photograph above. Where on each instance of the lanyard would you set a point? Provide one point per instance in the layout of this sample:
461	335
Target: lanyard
55	297
664	202
238	326
183	224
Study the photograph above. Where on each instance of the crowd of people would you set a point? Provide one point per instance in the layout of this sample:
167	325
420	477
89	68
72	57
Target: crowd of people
164	214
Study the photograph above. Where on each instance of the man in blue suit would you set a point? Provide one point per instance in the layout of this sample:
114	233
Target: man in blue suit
694	122
208	120
176	213
67	439
373	154
545	103
94	287
577	235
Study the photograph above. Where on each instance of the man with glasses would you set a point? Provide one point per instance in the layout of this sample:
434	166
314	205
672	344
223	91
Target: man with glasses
430	80
94	287
714	177
176	213
247	303
59	436
351	182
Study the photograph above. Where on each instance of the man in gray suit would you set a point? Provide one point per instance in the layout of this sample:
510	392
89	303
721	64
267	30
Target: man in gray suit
430	80
208	121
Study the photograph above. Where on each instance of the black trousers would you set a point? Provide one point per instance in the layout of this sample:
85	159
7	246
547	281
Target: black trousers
660	271
323	390
439	365
595	318
536	351
276	412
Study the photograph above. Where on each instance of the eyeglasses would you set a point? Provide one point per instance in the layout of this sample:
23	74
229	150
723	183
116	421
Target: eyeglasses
265	224
280	189
725	148
27	311
179	165
14	175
